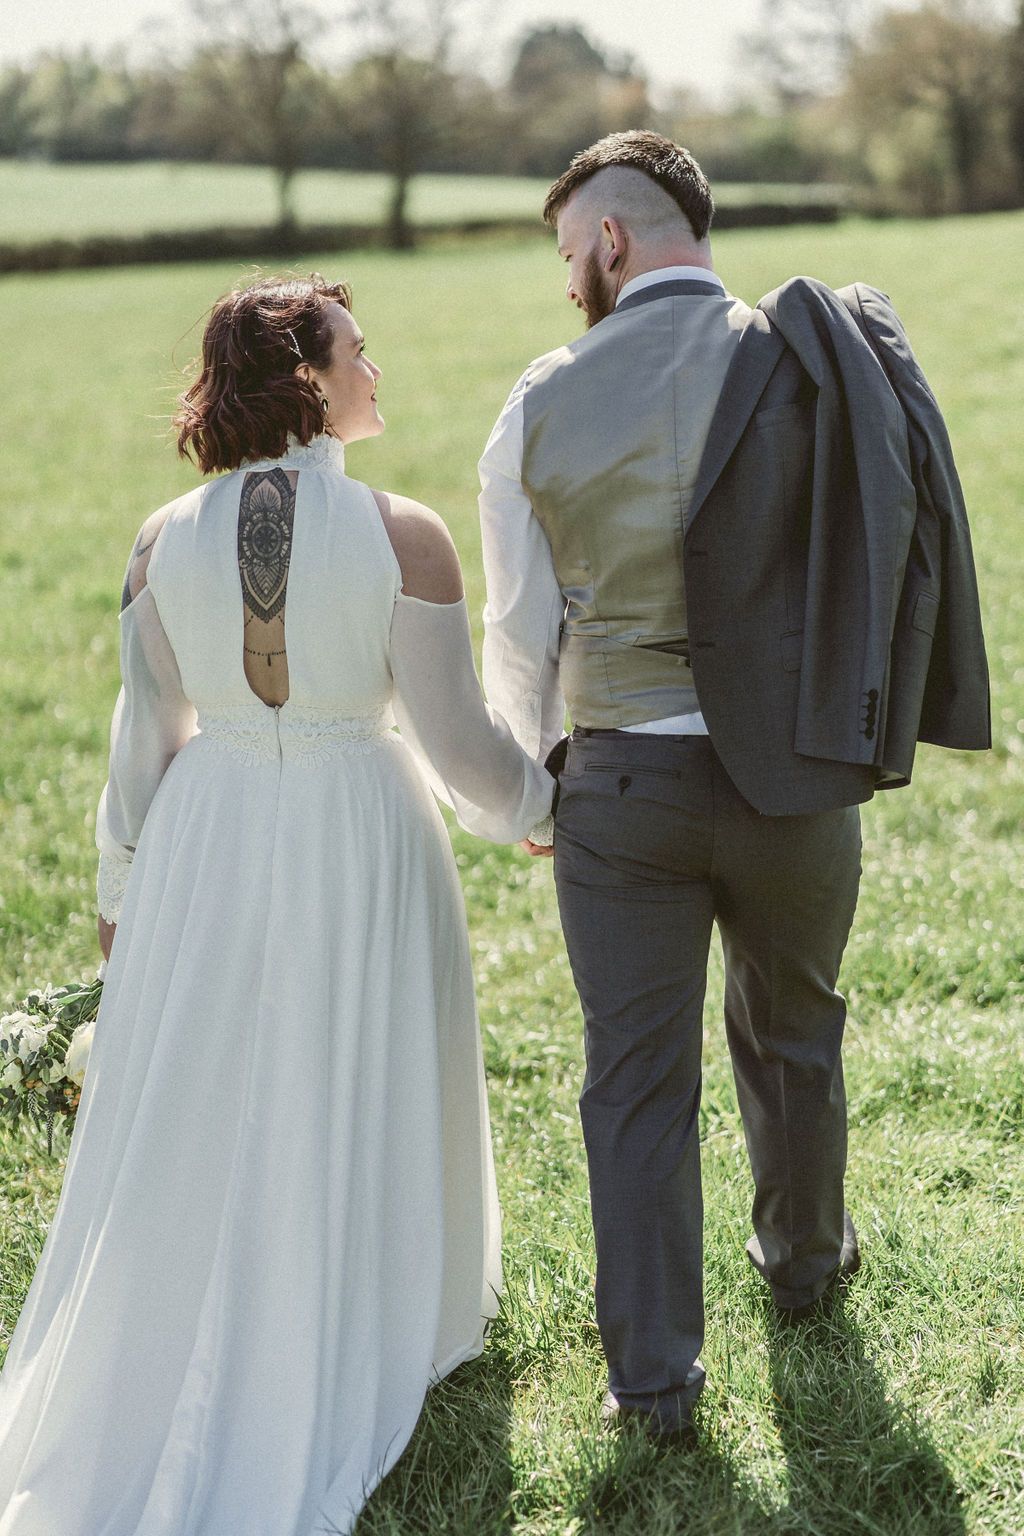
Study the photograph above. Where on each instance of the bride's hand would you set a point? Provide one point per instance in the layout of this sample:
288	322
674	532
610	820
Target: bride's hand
106	932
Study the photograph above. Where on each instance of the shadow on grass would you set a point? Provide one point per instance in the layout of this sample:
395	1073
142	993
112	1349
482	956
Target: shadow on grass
856	1462
635	1489
455	1476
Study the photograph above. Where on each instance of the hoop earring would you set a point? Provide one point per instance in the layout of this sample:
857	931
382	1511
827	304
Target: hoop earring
325	404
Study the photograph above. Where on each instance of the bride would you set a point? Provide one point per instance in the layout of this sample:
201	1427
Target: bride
278	1223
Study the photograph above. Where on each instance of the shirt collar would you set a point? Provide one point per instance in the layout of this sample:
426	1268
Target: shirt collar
669	275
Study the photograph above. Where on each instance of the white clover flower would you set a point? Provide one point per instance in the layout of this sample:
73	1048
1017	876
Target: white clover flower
76	1058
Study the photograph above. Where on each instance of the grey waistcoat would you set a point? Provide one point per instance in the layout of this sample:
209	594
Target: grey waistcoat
614	428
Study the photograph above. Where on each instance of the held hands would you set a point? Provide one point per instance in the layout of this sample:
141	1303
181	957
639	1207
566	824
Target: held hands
539	842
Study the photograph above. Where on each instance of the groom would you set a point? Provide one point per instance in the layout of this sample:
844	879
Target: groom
732	542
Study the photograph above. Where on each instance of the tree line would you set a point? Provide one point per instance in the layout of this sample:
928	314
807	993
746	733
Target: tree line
919	110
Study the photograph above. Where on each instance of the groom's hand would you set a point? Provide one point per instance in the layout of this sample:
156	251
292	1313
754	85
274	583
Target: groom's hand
536	850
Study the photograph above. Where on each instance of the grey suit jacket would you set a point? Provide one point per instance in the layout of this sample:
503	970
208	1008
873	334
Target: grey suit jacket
814	574
941	682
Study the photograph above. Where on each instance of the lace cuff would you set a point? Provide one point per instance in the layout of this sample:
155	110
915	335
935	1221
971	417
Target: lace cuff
111	879
543	834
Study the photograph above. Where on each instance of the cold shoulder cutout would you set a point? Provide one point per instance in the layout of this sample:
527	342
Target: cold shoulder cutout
423	548
136	574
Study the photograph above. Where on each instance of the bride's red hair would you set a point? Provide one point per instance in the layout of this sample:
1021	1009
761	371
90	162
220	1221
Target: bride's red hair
248	398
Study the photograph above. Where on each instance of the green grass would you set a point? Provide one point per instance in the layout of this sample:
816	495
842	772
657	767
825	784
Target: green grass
45	202
902	1416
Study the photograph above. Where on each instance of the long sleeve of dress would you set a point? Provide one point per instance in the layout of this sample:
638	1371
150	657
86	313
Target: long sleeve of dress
466	748
152	721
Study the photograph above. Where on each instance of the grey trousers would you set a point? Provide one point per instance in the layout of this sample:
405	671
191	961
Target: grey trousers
654	844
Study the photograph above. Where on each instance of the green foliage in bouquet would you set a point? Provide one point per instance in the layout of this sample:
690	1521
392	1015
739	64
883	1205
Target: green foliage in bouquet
44	1051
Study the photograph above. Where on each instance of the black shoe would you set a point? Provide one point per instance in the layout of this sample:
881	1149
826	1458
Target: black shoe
849	1263
680	1434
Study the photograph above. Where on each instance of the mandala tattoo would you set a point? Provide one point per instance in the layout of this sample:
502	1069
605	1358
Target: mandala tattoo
265	518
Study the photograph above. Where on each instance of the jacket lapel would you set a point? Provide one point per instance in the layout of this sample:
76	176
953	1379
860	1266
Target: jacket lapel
756	354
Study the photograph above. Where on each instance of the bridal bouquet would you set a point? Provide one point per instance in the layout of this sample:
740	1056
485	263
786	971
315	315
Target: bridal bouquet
44	1051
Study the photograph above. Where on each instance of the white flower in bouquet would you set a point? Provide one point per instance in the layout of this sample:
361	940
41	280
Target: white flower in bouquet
24	1035
76	1058
12	1024
44	1052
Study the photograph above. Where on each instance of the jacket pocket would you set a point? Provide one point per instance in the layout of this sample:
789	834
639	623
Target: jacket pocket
926	613
779	415
792	646
632	770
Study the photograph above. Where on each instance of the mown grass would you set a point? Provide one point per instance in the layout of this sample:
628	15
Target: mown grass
46	202
899	1416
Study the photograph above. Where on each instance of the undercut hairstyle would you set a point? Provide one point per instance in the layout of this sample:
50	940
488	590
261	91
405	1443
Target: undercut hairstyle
671	166
248	399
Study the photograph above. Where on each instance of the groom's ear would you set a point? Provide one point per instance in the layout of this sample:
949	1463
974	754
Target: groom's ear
614	238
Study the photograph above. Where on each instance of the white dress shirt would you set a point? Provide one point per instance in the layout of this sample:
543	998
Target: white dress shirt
525	604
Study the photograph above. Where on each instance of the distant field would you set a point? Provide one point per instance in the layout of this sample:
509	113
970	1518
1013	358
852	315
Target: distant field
41	201
900	1417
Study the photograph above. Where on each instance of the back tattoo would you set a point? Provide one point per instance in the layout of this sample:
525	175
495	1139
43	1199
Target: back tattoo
265	518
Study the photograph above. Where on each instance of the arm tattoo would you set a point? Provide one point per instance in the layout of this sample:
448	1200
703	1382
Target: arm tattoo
265	517
136	554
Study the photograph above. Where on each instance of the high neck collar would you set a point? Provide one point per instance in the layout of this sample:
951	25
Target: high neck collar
322	452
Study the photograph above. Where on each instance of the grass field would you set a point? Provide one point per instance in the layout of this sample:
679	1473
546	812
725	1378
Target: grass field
44	202
902	1416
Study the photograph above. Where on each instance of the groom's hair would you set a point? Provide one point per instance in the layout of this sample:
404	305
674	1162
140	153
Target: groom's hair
671	166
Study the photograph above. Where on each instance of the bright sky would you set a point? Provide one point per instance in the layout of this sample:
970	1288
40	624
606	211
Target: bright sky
676	41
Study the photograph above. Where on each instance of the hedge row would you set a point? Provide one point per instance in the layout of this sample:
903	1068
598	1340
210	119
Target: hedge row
245	243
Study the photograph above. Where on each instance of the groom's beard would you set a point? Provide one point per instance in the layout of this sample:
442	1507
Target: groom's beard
594	293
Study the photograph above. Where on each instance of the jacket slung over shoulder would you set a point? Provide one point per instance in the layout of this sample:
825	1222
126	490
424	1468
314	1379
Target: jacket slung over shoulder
887	523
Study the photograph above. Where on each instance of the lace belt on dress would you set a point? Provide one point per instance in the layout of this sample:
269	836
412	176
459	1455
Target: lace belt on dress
263	734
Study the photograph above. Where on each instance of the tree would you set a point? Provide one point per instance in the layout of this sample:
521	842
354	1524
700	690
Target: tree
250	76
81	107
17	111
547	55
1015	95
402	98
566	93
802	48
924	87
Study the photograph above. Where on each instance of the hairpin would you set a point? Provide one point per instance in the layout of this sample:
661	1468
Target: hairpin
295	346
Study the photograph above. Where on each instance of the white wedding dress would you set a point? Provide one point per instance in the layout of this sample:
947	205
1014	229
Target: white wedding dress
278	1224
